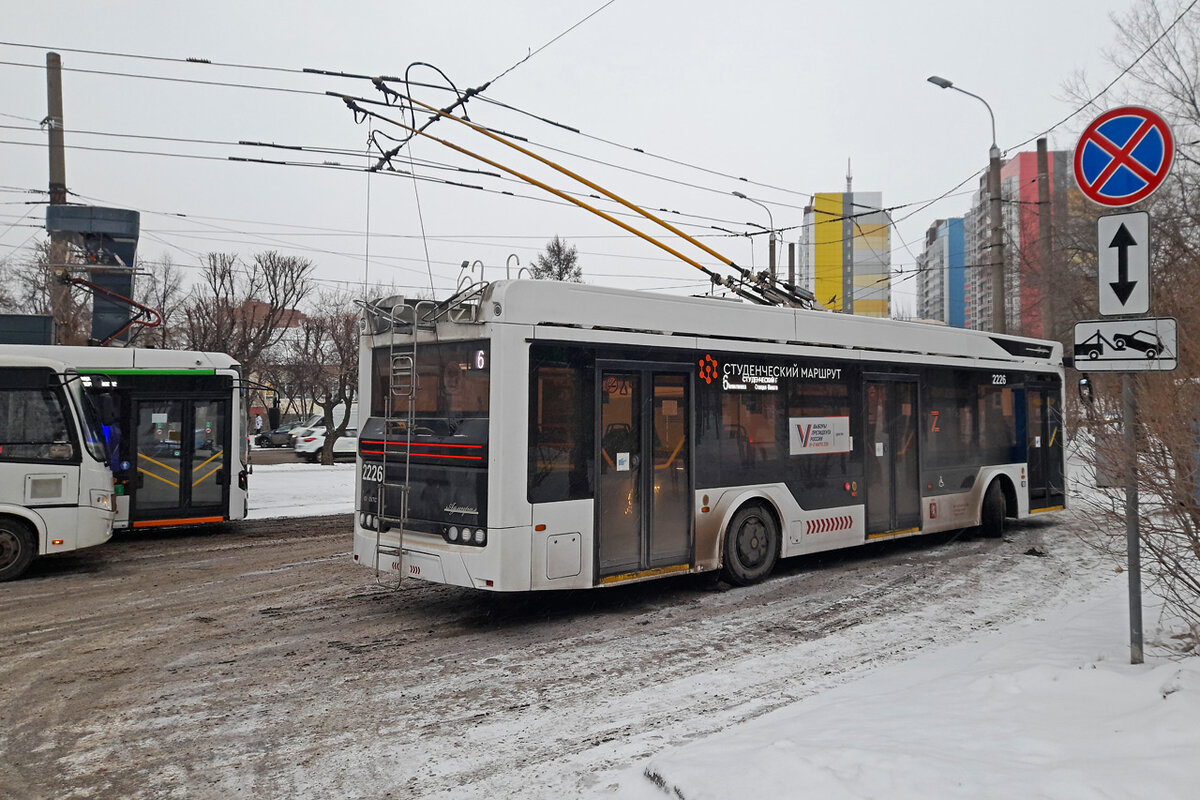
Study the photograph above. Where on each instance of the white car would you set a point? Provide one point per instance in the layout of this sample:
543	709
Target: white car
309	442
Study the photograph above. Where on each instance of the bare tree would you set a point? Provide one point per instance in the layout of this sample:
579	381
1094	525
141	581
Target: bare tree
243	309
1166	78
8	302
559	262
322	362
159	285
27	284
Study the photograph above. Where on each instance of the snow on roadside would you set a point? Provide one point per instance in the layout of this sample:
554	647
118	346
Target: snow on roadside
301	490
1046	709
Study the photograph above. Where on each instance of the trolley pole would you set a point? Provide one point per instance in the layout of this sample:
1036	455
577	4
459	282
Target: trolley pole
1133	553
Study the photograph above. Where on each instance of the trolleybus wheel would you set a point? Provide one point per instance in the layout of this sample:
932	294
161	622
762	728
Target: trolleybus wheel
751	545
18	546
991	516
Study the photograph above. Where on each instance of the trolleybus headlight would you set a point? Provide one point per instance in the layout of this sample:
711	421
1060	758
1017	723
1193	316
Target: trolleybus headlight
480	536
452	534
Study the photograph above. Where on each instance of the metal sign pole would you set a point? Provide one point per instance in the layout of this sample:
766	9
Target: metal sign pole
1123	272
1133	553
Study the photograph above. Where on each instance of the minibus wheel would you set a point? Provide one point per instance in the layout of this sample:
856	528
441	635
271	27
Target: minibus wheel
18	546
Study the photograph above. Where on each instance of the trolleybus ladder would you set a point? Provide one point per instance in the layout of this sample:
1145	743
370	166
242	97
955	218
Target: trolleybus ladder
404	381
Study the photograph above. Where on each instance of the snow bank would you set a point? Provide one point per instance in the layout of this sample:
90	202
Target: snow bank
301	490
1049	709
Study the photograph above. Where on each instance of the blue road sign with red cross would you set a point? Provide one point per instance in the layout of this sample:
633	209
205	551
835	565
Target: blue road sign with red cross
1123	156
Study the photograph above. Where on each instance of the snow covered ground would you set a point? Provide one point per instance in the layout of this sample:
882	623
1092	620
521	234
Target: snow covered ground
1050	708
1046	708
301	490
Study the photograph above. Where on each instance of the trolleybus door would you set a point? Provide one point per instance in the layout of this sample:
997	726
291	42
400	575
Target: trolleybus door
644	505
181	460
893	481
1043	419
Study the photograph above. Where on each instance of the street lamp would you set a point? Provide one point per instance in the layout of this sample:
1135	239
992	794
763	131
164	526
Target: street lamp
999	323
771	236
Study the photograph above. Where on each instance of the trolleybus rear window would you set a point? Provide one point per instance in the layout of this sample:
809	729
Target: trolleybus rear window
452	380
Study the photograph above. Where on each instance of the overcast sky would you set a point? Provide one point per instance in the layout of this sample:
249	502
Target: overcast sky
778	93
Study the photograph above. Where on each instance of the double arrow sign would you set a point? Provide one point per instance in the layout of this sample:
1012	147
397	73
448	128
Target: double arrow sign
1124	263
1128	344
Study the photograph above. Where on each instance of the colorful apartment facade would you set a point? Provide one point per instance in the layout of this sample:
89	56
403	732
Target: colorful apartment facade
845	252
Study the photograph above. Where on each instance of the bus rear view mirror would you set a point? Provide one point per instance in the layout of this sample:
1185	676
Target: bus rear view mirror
1087	394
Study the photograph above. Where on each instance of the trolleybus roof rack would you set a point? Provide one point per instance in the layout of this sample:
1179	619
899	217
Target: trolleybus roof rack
397	311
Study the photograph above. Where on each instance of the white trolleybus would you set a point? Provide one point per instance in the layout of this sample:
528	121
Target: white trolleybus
56	490
530	435
176	432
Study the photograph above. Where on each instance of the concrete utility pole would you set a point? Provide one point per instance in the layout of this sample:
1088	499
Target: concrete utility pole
59	292
1045	244
996	217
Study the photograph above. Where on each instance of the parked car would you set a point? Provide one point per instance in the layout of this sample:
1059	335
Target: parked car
310	441
279	437
305	428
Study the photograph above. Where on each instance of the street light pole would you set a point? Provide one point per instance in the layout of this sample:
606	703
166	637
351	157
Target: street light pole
771	235
999	320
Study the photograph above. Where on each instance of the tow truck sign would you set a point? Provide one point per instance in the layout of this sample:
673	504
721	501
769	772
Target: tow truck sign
1127	345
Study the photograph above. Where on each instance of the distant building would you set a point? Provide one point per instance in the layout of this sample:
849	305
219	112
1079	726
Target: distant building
1026	282
845	252
941	274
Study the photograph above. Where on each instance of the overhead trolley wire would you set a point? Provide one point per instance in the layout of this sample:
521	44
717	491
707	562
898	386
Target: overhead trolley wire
552	41
167	79
768	293
1092	100
462	97
352	104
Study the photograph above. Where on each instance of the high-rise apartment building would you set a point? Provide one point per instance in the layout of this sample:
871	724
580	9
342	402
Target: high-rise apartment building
941	274
1027	283
845	252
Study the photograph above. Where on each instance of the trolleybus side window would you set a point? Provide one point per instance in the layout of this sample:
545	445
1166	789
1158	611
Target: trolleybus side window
997	427
561	425
34	425
969	420
821	404
751	428
950	413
